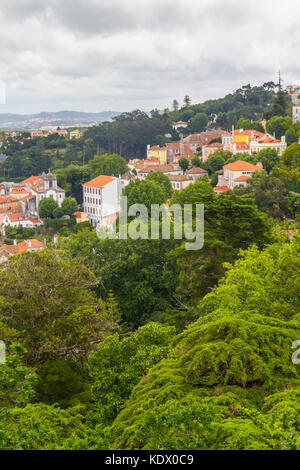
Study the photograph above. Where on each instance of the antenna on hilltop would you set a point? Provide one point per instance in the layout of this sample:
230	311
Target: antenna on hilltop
280	81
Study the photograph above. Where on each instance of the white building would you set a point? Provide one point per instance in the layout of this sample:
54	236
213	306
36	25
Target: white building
180	182
44	186
168	169
18	220
296	113
179	124
236	174
101	200
31	191
269	143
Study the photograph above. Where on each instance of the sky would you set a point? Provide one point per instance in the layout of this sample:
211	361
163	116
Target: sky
120	55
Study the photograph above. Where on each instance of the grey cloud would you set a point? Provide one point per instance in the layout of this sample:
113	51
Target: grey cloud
142	53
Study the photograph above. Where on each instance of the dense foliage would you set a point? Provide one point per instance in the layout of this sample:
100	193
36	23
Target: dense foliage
140	343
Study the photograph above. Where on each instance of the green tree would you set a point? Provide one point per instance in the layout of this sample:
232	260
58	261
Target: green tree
58	213
231	222
40	427
145	192
269	158
215	162
270	194
162	180
187	101
142	275
47	206
16	381
175	105
119	364
69	206
196	161
49	301
111	165
278	125
183	163
231	384
289	165
63	382
280	106
199	122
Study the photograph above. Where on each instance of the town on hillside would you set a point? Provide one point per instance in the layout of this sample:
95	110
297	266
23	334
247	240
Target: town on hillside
150	230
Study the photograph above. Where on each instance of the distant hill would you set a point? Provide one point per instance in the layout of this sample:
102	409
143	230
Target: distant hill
60	118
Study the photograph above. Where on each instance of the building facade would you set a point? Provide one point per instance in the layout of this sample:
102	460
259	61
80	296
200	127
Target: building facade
236	174
101	200
296	113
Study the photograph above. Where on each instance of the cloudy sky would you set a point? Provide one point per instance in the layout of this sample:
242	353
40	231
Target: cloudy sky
97	55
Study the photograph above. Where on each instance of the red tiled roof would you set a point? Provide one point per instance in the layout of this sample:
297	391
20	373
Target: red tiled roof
16	217
24	246
240	165
249	132
100	181
179	178
12	249
195	171
267	140
162	168
18	191
242	145
242	178
213	145
31	180
7	198
221	189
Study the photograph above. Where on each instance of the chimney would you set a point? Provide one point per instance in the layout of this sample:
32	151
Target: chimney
29	243
15	242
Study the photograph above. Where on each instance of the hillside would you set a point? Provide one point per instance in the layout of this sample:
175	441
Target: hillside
60	118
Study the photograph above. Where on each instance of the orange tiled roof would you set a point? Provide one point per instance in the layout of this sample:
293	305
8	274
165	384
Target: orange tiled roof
7	198
16	217
242	145
19	191
267	140
179	178
24	246
249	132
12	249
31	180
222	189
213	145
100	181
242	178
240	165
195	171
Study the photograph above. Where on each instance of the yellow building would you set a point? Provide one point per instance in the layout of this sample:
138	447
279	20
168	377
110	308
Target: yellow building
241	139
76	134
157	152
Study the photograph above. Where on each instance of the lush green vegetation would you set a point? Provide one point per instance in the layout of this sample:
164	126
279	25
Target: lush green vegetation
142	344
227	381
